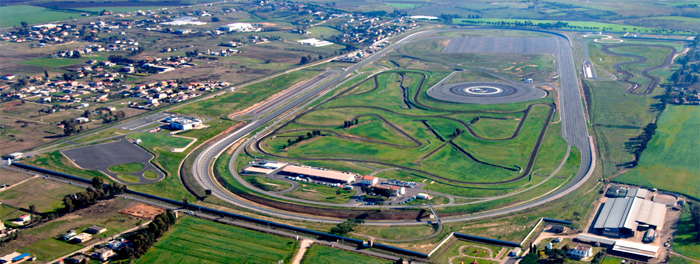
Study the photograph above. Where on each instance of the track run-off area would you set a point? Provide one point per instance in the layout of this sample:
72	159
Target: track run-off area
574	132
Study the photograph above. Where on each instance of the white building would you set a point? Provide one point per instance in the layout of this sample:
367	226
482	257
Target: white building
315	42
581	252
369	180
238	27
182	123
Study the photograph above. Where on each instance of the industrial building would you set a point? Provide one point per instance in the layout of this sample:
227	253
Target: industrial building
623	246
264	167
619	192
623	216
183	123
318	174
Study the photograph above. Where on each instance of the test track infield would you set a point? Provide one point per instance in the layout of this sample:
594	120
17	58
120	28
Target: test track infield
574	131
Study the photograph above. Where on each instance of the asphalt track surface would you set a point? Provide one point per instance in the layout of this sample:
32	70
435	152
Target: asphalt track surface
102	156
484	93
639	59
574	131
519	45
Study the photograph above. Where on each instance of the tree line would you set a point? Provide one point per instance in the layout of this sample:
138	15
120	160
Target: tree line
637	145
143	239
300	138
96	192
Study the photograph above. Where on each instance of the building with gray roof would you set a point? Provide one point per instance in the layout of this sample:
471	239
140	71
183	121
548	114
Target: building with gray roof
622	216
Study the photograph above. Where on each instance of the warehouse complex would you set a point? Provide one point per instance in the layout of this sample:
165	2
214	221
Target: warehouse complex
623	216
323	175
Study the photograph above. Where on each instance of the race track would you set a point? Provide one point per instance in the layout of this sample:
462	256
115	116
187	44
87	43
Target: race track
574	131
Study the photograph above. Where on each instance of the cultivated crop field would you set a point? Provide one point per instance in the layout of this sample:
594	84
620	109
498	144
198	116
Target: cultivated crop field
198	240
670	160
318	254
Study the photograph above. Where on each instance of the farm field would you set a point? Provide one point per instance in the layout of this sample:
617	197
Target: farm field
592	25
14	15
221	106
198	240
686	241
46	195
670	160
44	243
318	254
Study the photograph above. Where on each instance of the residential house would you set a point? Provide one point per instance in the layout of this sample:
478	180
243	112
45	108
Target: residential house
581	252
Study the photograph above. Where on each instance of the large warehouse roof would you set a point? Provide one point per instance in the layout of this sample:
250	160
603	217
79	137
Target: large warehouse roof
629	212
326	174
636	248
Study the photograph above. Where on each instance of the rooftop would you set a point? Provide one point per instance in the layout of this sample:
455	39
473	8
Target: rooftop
327	174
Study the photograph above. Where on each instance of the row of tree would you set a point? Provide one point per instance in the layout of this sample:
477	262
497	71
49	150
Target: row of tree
638	144
300	138
96	192
143	239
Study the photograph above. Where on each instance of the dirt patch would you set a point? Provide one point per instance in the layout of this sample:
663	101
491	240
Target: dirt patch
143	211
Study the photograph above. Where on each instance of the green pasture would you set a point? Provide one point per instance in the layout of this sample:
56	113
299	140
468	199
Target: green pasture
121	9
61	62
319	254
670	160
198	240
45	195
576	25
686	240
224	104
403	5
13	15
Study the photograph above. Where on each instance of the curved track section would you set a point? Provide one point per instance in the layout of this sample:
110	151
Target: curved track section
484	93
574	131
639	59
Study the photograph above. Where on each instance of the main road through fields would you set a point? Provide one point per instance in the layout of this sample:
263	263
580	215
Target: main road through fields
574	131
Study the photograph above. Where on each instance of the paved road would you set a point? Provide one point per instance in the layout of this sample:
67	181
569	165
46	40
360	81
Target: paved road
574	131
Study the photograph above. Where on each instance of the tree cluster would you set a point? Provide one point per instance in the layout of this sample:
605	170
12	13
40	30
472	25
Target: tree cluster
97	191
347	226
456	133
638	144
143	239
300	138
308	59
347	124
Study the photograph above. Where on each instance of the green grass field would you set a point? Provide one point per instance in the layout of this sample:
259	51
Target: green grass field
221	106
61	62
198	240
592	25
468	249
149	174
670	160
44	194
15	14
127	167
318	254
686	241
